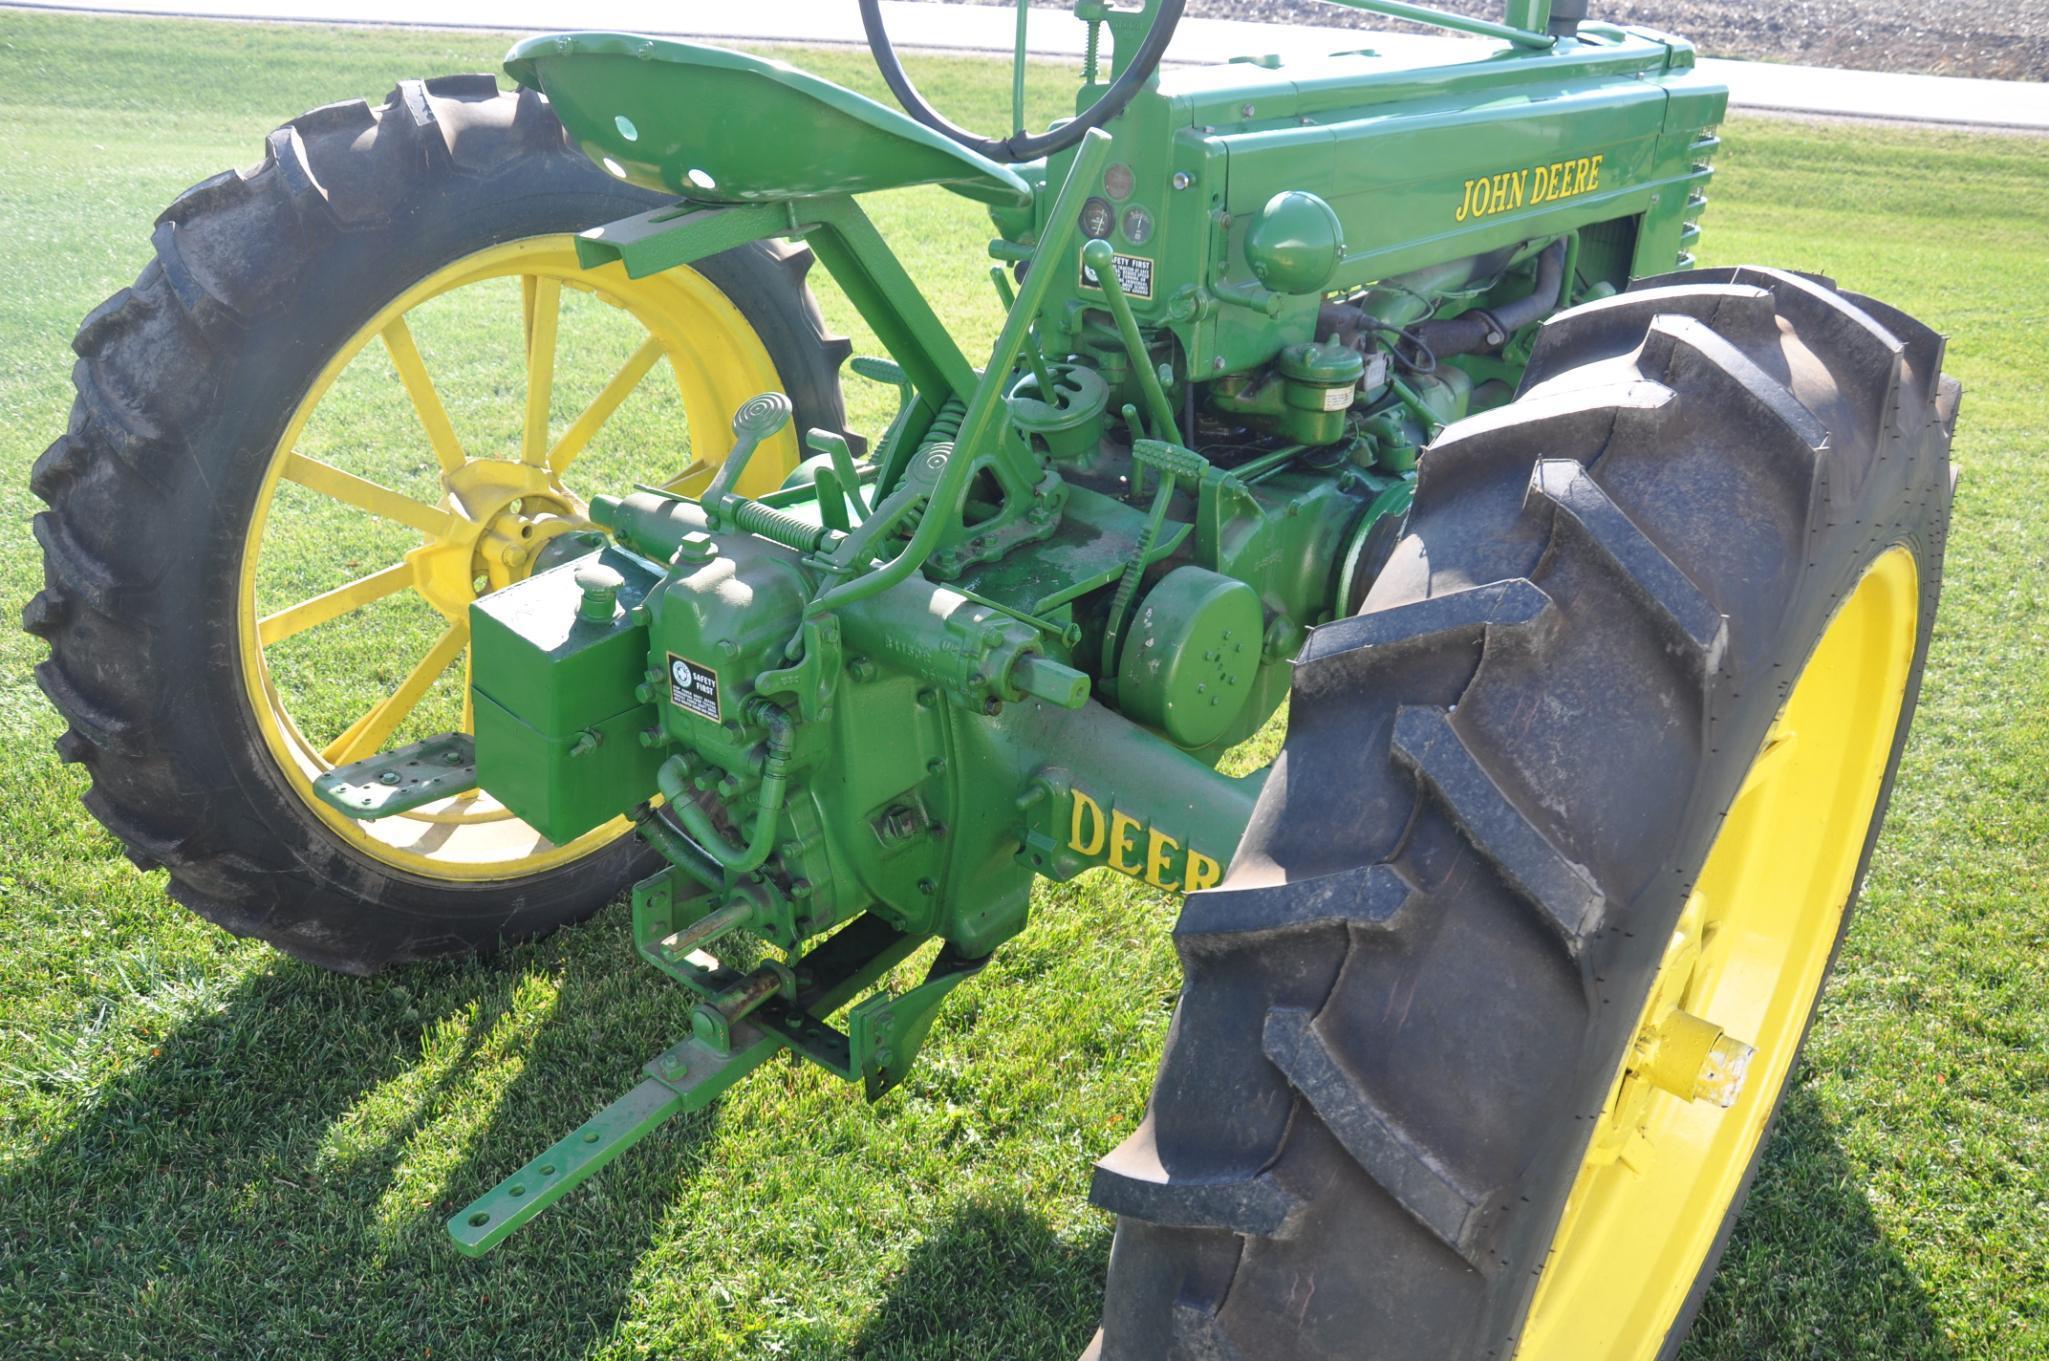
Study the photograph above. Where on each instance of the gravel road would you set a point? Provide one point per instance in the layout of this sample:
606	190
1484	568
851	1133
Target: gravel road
1999	39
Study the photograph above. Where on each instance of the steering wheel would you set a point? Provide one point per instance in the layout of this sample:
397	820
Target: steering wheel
1023	146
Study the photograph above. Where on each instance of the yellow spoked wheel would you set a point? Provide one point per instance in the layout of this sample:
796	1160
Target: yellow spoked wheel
360	384
383	514
1730	1002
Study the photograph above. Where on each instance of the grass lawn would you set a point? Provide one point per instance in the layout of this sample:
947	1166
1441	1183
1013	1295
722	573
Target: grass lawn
206	1149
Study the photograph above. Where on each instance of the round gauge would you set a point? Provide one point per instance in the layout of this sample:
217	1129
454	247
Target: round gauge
1117	181
1097	218
1138	225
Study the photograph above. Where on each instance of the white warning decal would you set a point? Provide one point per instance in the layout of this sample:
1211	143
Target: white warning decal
1134	276
693	686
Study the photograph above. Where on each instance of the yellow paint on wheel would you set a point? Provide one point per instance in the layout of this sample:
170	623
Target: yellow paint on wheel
1747	958
492	516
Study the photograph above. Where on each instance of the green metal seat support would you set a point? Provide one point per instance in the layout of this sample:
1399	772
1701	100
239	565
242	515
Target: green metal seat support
759	149
724	127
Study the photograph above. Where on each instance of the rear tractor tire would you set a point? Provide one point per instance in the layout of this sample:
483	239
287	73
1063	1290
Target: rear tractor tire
178	560
1559	849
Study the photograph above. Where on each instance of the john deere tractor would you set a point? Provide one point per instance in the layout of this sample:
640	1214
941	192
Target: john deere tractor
1595	587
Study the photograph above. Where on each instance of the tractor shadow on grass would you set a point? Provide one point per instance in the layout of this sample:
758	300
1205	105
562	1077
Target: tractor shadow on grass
1809	1272
989	1281
273	1179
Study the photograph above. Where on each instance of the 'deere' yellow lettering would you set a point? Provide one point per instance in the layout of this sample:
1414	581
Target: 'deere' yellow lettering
1157	845
1123	841
1112	835
1090	813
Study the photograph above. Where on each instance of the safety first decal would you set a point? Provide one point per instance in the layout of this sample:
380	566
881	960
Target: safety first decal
694	686
1134	276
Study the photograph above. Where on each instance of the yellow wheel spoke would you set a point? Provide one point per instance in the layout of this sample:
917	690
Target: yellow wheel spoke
363	494
412	371
544	311
333	604
369	732
603	405
697	468
717	362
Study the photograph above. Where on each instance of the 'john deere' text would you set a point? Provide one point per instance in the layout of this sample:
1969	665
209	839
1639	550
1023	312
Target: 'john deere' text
1513	189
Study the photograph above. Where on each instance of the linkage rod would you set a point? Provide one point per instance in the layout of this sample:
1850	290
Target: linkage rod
986	406
1458	23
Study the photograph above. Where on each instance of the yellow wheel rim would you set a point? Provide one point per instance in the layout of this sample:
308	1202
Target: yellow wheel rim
381	467
1730	1002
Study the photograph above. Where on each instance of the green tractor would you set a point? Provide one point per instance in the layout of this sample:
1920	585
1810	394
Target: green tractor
1596	588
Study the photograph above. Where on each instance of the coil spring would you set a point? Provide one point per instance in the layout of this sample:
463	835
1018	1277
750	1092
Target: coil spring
774	525
946	424
939	435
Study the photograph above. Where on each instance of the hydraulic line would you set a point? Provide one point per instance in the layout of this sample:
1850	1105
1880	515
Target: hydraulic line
697	828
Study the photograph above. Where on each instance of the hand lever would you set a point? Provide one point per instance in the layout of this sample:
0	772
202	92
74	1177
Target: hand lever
1101	258
834	446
